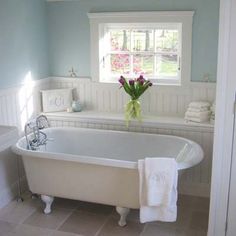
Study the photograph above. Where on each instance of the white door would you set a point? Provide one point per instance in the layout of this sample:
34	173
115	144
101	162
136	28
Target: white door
231	221
222	218
231	211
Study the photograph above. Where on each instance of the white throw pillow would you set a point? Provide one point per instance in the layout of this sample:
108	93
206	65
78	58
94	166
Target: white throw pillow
56	99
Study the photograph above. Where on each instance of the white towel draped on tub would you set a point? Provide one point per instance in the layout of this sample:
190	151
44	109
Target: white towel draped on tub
158	189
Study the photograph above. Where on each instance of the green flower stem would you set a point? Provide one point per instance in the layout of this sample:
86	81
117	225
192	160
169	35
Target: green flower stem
132	111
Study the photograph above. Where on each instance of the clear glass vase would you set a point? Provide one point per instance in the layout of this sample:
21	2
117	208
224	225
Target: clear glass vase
133	111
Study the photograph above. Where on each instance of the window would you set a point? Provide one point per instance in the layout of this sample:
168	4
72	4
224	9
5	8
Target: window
151	50
154	44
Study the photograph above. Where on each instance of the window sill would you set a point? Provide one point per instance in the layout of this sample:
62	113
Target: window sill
148	121
153	82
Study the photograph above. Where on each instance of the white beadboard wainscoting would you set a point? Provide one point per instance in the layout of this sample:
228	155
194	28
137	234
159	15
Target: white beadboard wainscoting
11	168
158	100
18	104
194	181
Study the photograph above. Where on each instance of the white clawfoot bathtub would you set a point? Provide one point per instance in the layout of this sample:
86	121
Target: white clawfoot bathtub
98	165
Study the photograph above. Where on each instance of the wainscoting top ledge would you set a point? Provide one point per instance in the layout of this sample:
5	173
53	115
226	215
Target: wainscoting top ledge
118	119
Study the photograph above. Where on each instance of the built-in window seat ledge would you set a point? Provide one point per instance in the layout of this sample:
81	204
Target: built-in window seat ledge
107	118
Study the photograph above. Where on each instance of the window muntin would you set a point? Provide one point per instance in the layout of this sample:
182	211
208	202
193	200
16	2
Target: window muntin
153	50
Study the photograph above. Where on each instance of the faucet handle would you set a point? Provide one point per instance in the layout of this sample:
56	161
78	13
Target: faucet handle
42	122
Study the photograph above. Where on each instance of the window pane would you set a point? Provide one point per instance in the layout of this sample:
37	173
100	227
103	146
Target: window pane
167	40
142	40
143	64
120	63
166	65
120	40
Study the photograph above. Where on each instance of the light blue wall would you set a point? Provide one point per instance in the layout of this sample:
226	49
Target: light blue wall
27	33
69	40
23	41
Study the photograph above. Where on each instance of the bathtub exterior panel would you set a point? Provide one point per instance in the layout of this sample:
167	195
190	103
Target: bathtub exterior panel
85	182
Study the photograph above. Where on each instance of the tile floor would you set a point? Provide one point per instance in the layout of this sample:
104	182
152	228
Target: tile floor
74	218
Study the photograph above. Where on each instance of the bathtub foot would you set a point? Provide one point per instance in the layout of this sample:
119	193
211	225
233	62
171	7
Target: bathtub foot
123	212
48	201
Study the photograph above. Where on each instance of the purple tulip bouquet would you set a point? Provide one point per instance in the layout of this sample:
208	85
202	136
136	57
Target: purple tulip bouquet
135	88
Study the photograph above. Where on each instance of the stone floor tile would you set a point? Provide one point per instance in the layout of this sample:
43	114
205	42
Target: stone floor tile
201	204
85	223
76	218
27	230
199	220
158	230
6	227
17	212
49	221
60	233
111	228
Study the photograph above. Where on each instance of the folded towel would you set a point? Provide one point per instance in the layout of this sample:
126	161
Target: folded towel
199	105
198	109
198	120
158	189
213	108
201	115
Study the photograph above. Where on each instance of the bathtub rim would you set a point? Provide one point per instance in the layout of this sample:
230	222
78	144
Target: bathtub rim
100	160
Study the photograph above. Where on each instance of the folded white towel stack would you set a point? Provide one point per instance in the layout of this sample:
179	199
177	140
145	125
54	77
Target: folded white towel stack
213	108
198	112
158	189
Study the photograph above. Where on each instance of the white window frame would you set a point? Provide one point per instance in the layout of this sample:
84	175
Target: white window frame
98	22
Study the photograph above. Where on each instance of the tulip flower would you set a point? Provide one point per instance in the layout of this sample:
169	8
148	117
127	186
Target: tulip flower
122	80
131	82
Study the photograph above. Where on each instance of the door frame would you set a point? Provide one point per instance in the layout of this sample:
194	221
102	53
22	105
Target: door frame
226	84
